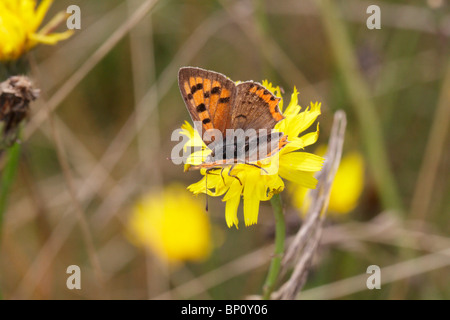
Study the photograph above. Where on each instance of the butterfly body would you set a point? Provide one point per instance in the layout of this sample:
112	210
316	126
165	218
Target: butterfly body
236	120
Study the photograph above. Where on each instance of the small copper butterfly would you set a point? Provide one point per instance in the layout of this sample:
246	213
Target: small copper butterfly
219	103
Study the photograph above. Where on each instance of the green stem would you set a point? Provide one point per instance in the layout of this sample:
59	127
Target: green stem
364	108
7	178
280	235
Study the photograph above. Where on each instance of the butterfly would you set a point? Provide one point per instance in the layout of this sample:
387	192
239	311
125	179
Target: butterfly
242	115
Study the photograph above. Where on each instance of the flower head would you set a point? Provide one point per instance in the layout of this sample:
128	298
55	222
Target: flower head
19	23
16	94
260	181
172	224
346	189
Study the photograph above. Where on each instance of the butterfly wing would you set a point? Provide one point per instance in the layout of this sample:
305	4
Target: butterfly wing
209	97
255	107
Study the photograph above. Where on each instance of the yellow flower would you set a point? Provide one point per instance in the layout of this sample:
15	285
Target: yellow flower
173	224
255	184
19	23
346	189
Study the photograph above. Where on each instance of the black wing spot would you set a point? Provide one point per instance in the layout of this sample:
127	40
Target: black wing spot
198	86
201	107
260	99
206	121
206	94
216	90
190	96
224	100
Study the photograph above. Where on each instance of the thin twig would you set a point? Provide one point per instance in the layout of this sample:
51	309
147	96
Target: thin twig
88	65
362	104
81	45
305	244
392	273
48	252
69	181
143	72
432	156
384	229
284	65
400	16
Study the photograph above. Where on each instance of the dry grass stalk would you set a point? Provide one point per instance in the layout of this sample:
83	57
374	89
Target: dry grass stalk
301	250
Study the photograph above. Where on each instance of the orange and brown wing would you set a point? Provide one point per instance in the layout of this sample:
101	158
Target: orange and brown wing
255	107
209	97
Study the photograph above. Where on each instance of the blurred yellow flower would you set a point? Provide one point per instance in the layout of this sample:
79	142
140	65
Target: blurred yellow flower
173	224
253	184
19	23
347	186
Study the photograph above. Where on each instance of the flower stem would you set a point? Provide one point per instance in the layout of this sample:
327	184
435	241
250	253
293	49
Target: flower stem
7	178
280	235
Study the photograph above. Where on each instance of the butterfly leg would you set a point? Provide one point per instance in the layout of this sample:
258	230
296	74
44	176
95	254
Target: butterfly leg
234	176
221	174
206	186
256	166
206	182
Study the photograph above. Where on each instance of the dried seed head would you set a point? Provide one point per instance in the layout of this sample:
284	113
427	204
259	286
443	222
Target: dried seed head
16	93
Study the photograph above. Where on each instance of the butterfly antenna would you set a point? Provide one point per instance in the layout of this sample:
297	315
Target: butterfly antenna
256	166
170	158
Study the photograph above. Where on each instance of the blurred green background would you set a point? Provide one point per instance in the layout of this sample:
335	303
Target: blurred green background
115	116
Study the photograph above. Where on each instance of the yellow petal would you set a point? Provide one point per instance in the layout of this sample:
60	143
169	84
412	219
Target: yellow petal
231	209
293	146
232	199
303	178
251	210
59	18
296	124
197	157
276	186
310	138
221	186
293	107
195	139
19	22
302	161
251	198
234	190
49	39
200	186
41	12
